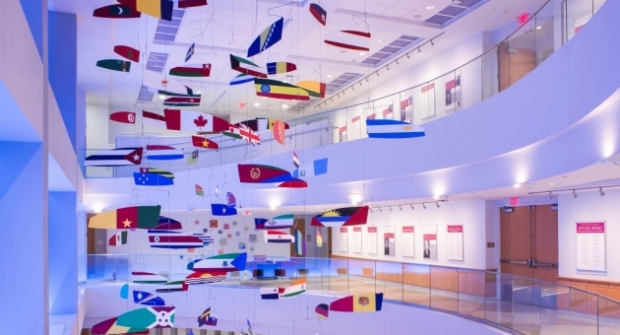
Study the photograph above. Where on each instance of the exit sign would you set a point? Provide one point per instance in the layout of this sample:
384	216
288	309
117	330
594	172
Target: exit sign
247	213
513	201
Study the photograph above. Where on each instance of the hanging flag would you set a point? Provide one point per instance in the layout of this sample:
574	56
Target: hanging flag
137	320
192	121
147	299
261	124
294	183
193	157
117	239
151	179
191	3
314	88
114	65
153	119
135	217
199	190
173	286
348	216
198	278
128	52
319	239
278	132
349	39
230	199
235	64
274	236
295	159
123	117
162	173
115	157
315	168
223	210
279	90
280	67
192	70
358	303
267	38
147	278
392	129
241	79
166	223
250	332
300	243
190	52
163	84
319	13
201	142
116	12
221	263
162	152
243	132
182	101
205	319
322	311
167	239
279	222
275	293
188	93
256	173
161	9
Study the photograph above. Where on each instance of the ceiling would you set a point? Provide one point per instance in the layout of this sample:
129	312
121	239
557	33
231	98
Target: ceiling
225	27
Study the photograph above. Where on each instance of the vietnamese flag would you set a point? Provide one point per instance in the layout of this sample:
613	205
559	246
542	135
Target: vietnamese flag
201	142
135	217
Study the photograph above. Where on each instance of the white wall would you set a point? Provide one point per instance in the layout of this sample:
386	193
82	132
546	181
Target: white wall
471	214
588	207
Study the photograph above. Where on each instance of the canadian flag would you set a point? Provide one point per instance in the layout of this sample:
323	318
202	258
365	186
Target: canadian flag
192	121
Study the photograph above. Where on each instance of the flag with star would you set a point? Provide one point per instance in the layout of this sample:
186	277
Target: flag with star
135	217
199	190
204	143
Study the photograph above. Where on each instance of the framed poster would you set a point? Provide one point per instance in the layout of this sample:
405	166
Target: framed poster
429	236
389	241
408	241
357	239
426	102
373	248
590	249
455	243
344	240
453	92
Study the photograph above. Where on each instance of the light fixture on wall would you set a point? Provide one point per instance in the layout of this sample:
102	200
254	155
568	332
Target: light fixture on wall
360	83
412	207
600	190
390	208
419	50
387	68
397	63
424	206
550	196
432	43
575	195
380	209
437	203
408	57
401	207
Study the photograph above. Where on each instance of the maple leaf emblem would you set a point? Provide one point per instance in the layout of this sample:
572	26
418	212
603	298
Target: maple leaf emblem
200	121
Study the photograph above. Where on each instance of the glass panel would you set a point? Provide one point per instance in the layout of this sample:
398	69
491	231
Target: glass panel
498	306
526	305
444	288
417	284
361	276
545	33
389	278
608	316
472	292
583	312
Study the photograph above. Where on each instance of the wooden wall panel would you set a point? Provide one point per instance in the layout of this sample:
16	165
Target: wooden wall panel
607	289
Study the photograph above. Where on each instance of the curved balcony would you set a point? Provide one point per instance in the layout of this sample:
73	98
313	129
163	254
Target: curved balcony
510	304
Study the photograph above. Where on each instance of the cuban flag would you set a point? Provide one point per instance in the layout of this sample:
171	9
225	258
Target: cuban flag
393	129
190	52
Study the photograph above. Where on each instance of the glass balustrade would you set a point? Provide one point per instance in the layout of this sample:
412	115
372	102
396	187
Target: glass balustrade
529	306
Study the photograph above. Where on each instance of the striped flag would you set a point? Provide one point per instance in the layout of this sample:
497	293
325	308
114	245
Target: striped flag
243	132
193	158
269	37
117	239
199	190
190	52
295	159
153	119
250	328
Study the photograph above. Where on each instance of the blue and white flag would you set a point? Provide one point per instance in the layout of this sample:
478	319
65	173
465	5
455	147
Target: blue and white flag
147	299
269	37
190	52
115	157
151	179
250	328
223	210
392	129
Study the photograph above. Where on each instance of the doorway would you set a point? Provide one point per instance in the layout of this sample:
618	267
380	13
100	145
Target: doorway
529	241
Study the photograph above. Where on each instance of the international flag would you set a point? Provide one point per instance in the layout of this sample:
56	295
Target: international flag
242	132
199	190
190	52
315	89
115	157
230	199
261	124
278	132
189	331
193	157
114	65
319	239
192	121
235	64
147	299
294	183
163	84
162	152
348	216
279	90
137	320
147	278
135	217
274	293
300	243
358	303
241	79
173	286
269	37
116	12
278	222
220	263
182	101
191	3
250	332
280	67
295	159
123	117
161	9
191	70
316	168
319	13
350	39
198	278
128	53
206	319
206	239
223	210
274	236
322	311
117	239
166	223
153	119
392	129
162	173
257	173
151	179
204	143
167	239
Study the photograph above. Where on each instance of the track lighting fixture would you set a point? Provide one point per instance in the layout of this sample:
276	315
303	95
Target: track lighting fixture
366	79
380	209
437	203
575	195
600	190
401	207
412	208
378	73
397	63
408	57
360	83
388	68
550	196
419	50
432	43
390	208
424	206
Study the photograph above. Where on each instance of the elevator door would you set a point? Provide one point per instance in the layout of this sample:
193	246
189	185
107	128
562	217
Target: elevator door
529	241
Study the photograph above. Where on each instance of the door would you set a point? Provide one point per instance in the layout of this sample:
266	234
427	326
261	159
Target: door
529	241
298	224
514	64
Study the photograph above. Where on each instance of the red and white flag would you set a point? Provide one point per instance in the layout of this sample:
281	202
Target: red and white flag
192	121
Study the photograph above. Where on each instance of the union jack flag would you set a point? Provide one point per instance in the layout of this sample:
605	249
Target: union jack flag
248	135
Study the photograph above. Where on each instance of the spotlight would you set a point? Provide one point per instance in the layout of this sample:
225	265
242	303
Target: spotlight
412	208
550	196
419	50
401	207
388	68
360	84
432	43
366	79
600	190
408	57
378	73
371	210
380	209
397	63
437	203
424	206
575	195
390	208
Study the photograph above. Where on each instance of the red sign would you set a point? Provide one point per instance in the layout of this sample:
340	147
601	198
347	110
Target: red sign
455	229
514	201
408	229
521	19
372	229
247	213
343	229
591	228
357	229
388	235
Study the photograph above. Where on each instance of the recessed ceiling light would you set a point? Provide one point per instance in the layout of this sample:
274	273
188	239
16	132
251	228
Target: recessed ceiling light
198	92
329	76
285	106
430	7
379	41
551	184
162	97
256	104
539	28
362	53
516	185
